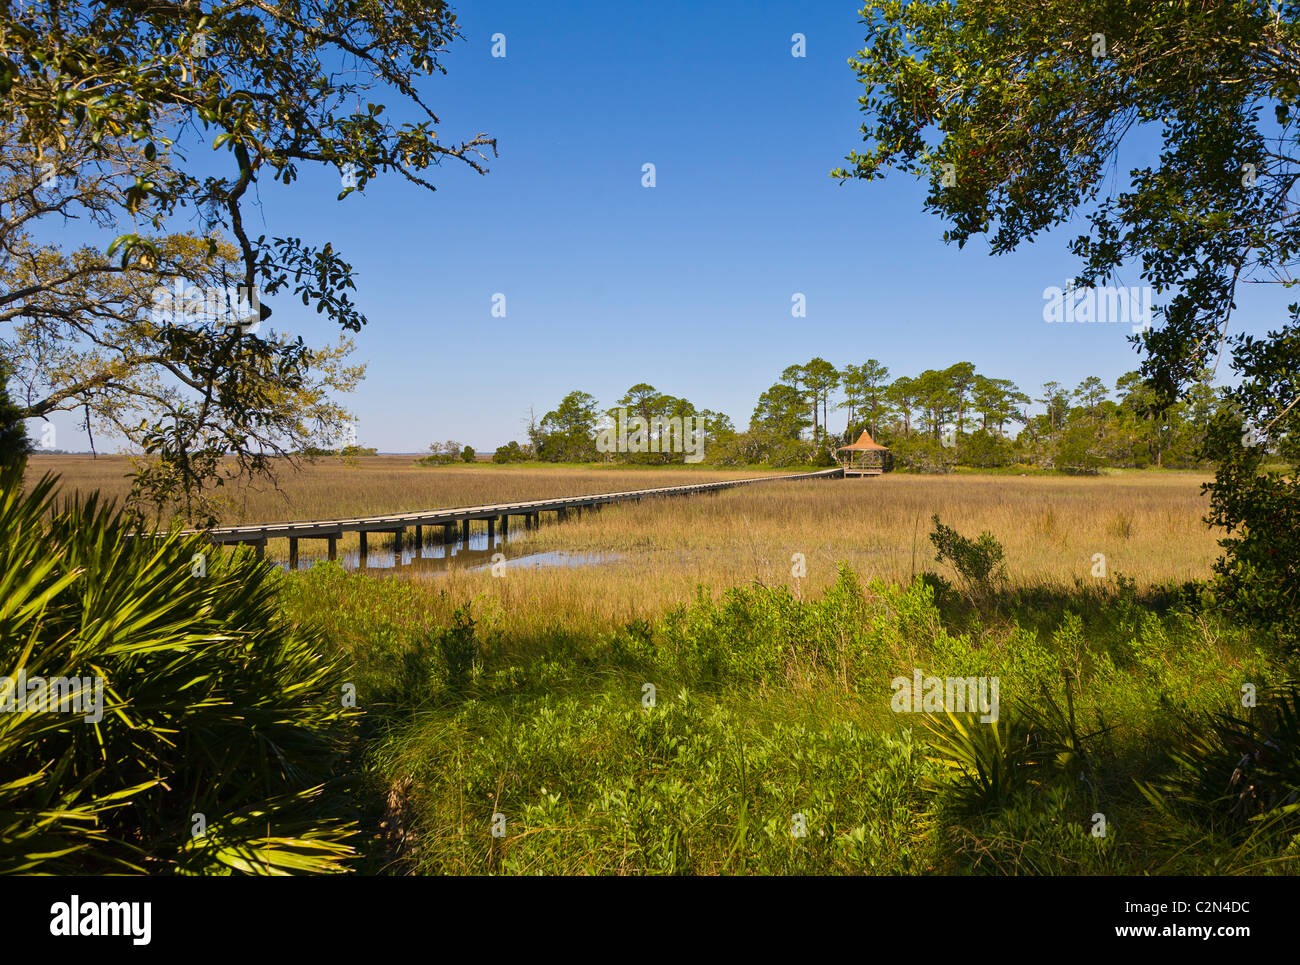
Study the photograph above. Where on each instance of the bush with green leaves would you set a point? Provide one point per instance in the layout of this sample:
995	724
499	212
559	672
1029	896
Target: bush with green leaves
445	453
14	444
979	562
222	722
984	765
511	452
459	648
1257	506
919	454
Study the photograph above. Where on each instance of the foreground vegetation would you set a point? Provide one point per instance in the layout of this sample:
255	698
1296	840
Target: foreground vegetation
157	712
771	716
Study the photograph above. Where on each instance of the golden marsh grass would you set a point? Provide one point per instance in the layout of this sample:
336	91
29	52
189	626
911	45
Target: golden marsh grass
1148	526
331	488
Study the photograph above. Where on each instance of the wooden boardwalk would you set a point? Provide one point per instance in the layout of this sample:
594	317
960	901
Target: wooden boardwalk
449	520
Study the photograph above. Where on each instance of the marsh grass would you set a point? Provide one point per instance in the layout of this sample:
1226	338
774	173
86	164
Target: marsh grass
665	549
523	695
1050	526
332	487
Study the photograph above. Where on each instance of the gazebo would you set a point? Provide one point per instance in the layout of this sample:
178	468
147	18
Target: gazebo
866	457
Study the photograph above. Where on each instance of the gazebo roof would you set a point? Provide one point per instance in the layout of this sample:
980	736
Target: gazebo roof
864	442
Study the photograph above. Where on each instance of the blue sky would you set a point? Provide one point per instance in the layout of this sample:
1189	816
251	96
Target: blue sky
686	285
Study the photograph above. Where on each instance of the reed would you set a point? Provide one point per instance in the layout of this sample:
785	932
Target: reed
1147	526
658	552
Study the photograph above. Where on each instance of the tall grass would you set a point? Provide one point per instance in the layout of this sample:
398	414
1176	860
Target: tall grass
770	745
1052	530
333	487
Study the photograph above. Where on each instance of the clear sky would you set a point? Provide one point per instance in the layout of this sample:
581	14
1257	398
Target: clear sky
686	285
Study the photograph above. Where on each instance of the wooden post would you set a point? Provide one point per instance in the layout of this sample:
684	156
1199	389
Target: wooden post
334	547
259	548
397	544
419	536
464	531
293	552
492	529
505	524
449	533
363	547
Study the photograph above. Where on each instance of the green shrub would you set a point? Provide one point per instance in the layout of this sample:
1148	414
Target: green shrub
459	648
14	444
511	452
979	562
920	454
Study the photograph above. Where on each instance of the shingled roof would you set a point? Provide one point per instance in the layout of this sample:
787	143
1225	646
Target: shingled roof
864	442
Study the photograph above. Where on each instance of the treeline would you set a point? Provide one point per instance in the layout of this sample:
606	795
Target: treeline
932	422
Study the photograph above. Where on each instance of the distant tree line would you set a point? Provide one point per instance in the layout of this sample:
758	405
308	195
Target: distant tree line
445	453
932	422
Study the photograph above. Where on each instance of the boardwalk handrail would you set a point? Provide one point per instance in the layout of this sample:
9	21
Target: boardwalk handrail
390	522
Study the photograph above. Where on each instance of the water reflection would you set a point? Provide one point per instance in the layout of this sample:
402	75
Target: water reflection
436	557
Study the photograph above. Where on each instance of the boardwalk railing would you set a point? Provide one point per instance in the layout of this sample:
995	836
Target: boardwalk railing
450	519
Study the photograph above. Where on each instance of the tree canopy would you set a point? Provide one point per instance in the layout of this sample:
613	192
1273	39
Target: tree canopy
1015	112
132	115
